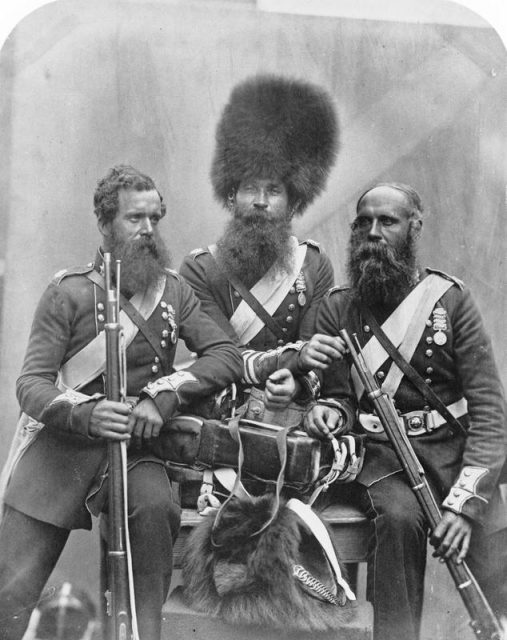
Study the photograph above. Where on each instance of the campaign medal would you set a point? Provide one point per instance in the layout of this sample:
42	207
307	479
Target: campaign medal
169	314
300	289
439	326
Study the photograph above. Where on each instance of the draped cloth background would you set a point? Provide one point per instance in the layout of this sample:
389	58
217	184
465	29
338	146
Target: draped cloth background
85	85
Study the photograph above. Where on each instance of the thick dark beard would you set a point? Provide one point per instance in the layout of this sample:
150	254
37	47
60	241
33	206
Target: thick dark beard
252	244
143	261
380	274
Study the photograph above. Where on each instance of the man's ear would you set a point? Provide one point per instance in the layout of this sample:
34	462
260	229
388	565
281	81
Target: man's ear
104	227
416	225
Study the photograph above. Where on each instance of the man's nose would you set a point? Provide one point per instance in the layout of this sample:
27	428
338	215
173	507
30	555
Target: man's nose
146	227
261	199
374	232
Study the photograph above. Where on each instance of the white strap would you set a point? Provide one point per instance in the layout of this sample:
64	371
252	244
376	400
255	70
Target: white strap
90	362
437	288
317	527
397	326
371	422
270	291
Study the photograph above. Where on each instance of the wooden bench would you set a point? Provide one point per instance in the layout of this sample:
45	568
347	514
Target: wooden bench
350	530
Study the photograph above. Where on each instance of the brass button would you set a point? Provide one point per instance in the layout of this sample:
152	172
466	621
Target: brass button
156	359
154	368
236	294
428	323
284	329
289	319
381	375
428	381
100	317
165	333
100	306
165	315
429	353
429	369
292	307
292	290
281	342
366	328
163	344
163	304
429	339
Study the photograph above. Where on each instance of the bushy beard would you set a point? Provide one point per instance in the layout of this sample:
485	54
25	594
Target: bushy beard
252	243
381	274
143	261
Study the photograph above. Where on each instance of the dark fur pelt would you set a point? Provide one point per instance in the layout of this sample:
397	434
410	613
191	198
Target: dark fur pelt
249	580
275	126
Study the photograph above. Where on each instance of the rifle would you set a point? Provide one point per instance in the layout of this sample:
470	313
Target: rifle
117	595
483	621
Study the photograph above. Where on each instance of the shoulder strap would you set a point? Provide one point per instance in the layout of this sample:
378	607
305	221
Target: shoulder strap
257	307
137	319
427	392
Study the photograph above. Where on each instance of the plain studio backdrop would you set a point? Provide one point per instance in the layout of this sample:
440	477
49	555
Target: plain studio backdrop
420	89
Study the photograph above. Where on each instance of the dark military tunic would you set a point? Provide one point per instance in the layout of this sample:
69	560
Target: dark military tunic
463	366
55	475
219	298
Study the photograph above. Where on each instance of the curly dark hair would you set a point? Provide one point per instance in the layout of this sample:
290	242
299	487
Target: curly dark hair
121	176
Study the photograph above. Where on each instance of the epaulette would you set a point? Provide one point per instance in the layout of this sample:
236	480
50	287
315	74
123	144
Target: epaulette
72	271
312	243
173	273
338	287
198	252
456	281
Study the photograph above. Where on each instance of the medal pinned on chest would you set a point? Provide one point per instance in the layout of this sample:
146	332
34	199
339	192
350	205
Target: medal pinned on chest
300	286
169	314
439	326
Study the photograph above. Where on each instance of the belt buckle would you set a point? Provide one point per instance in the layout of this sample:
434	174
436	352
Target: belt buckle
415	423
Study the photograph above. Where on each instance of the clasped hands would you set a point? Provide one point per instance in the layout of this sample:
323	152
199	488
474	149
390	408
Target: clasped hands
119	421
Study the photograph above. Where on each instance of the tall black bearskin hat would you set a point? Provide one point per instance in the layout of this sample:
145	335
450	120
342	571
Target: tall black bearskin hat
276	126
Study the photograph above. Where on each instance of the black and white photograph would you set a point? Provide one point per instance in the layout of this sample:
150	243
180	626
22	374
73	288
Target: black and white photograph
253	289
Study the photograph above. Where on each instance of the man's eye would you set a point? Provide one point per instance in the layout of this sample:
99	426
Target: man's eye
155	219
386	222
361	223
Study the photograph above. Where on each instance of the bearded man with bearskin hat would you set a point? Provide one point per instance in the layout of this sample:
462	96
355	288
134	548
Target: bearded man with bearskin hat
275	144
450	399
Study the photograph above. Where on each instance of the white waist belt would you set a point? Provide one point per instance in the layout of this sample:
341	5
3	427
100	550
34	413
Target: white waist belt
416	422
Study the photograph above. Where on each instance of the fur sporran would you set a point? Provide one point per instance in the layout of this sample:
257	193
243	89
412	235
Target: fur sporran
277	575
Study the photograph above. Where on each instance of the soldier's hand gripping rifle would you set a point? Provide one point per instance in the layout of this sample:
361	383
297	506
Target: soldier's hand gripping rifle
483	621
121	625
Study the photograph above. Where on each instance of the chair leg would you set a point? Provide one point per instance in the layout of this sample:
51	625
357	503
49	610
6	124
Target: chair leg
352	573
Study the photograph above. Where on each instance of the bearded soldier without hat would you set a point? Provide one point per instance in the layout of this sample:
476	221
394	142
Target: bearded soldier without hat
450	398
56	474
275	144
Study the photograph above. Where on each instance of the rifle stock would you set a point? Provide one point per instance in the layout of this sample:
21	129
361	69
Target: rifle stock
117	596
483	620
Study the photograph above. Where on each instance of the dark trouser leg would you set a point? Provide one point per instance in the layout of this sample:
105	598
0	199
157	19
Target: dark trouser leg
29	550
487	560
397	558
154	519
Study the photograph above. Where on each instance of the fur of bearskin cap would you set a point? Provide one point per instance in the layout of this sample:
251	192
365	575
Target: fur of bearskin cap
276	126
248	579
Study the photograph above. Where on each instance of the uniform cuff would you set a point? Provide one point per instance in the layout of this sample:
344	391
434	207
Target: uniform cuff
463	497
